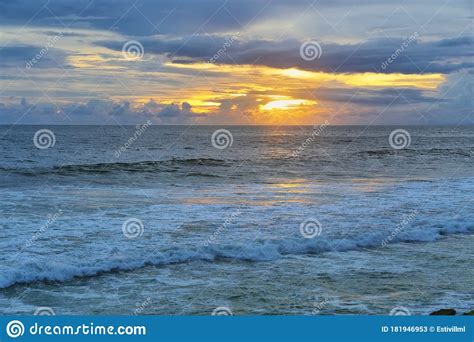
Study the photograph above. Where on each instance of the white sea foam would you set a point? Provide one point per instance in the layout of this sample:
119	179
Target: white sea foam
349	179
267	250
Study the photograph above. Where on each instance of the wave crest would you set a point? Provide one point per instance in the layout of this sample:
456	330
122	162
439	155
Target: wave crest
259	251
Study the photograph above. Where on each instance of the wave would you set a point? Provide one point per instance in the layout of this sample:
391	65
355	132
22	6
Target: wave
259	251
140	166
427	152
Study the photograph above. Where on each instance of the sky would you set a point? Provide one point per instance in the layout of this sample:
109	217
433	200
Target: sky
236	62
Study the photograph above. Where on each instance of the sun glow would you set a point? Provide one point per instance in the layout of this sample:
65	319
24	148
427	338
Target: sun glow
257	94
287	104
263	75
296	73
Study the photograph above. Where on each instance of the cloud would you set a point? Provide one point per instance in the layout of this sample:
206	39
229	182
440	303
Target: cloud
442	56
338	20
97	84
66	34
29	56
96	111
174	111
142	18
343	105
374	98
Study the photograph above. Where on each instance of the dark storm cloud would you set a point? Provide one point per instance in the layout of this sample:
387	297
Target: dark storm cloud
443	56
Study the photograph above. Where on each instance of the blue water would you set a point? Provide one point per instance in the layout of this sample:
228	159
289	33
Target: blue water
108	221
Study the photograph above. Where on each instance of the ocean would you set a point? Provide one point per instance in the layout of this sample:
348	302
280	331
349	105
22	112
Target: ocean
260	220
